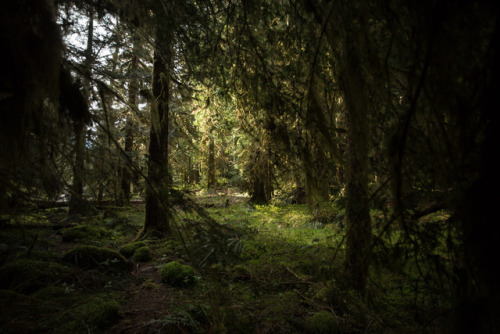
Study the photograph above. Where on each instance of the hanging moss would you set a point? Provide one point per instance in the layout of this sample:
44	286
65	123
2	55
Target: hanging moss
177	275
90	257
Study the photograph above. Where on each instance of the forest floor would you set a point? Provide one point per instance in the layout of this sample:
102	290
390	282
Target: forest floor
257	269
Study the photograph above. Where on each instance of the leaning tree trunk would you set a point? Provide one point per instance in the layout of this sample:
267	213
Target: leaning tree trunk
157	215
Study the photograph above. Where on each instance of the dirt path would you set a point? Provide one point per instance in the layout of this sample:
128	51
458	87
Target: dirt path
147	299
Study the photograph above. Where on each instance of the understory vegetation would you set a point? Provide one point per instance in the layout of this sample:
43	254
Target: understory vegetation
268	269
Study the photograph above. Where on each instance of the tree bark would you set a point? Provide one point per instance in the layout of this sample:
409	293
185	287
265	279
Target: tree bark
357	213
212	171
133	89
261	179
77	203
157	215
350	38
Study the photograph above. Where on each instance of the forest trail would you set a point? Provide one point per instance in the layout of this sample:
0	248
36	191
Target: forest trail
145	301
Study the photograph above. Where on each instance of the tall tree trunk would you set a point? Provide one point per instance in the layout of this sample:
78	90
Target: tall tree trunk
157	215
351	39
212	171
479	308
77	202
126	173
358	222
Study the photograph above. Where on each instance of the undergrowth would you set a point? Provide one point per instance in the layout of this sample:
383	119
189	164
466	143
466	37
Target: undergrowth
248	269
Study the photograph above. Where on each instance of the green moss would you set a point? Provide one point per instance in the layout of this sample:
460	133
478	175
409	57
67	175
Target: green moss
322	322
177	275
129	249
142	254
100	313
72	234
93	316
22	314
83	232
27	275
241	273
40	254
50	292
86	256
149	285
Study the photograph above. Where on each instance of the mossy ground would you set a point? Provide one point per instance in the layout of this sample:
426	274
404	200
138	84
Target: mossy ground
262	269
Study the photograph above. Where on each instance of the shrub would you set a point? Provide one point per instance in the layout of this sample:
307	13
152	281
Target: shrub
177	275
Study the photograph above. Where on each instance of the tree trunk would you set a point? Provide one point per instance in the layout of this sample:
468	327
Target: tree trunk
212	170
261	180
358	222
157	188
77	202
479	307
126	173
259	192
351	39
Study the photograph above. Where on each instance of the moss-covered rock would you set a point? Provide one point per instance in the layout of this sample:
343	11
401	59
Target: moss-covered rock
90	257
51	292
129	249
72	234
177	275
83	232
100	313
26	275
142	254
322	322
149	285
93	316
